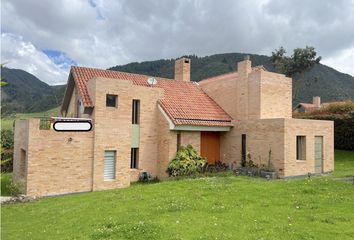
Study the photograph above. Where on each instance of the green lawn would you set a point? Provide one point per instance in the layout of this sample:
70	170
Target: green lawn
7	122
227	207
344	164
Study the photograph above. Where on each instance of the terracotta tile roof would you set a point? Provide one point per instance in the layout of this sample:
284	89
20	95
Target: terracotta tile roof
228	75
184	102
307	105
311	106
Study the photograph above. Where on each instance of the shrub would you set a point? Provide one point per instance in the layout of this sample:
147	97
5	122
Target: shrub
7	139
186	163
340	108
216	167
6	164
6	149
343	130
15	189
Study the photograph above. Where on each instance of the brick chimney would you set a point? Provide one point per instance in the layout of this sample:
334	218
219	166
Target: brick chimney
316	101
244	67
182	69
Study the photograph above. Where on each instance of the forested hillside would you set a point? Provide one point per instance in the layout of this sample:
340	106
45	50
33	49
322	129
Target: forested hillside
26	93
320	80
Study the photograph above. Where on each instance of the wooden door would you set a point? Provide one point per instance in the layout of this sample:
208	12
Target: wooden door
318	154
210	146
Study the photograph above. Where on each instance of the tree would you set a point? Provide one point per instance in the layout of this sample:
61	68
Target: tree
2	83
301	60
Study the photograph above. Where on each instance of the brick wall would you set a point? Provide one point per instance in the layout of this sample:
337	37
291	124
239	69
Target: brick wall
309	129
260	103
57	163
20	144
113	129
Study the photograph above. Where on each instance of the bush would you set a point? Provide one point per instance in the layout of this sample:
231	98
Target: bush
343	130
186	163
6	149
15	189
7	139
340	108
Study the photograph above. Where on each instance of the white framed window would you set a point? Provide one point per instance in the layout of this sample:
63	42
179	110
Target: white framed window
109	165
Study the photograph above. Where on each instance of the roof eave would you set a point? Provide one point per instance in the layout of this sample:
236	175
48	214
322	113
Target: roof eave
191	127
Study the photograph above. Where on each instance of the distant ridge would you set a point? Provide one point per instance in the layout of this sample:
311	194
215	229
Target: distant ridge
26	93
321	80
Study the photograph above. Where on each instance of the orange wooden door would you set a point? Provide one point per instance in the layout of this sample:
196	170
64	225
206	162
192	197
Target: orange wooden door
210	146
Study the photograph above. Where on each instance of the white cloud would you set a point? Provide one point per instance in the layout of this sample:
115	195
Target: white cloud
104	33
17	53
343	61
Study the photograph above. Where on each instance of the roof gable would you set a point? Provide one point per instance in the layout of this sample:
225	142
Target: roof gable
184	102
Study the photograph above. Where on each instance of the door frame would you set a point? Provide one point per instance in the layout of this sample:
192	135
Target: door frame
322	153
208	143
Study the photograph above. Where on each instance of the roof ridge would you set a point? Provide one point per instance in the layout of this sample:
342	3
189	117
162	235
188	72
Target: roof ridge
218	76
182	100
129	73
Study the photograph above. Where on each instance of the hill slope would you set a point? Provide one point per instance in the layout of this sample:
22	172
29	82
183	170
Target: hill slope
26	93
321	80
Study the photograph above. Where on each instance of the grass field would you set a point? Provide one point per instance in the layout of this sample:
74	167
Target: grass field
5	181
229	207
7	122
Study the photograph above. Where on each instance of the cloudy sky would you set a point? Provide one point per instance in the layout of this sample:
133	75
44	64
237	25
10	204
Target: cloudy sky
45	37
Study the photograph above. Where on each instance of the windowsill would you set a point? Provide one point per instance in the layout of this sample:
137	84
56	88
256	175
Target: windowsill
110	180
300	161
136	169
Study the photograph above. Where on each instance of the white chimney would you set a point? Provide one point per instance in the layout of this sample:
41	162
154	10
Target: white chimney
316	101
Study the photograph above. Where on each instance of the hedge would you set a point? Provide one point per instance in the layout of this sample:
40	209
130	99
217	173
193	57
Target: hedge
343	130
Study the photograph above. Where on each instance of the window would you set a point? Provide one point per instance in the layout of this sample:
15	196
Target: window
134	157
23	164
300	148
109	165
136	112
178	141
111	100
243	150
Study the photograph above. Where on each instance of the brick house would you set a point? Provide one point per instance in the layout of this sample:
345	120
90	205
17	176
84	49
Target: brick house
138	126
315	105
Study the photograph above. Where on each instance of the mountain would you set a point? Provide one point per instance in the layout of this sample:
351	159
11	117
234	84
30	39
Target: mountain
320	80
26	93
